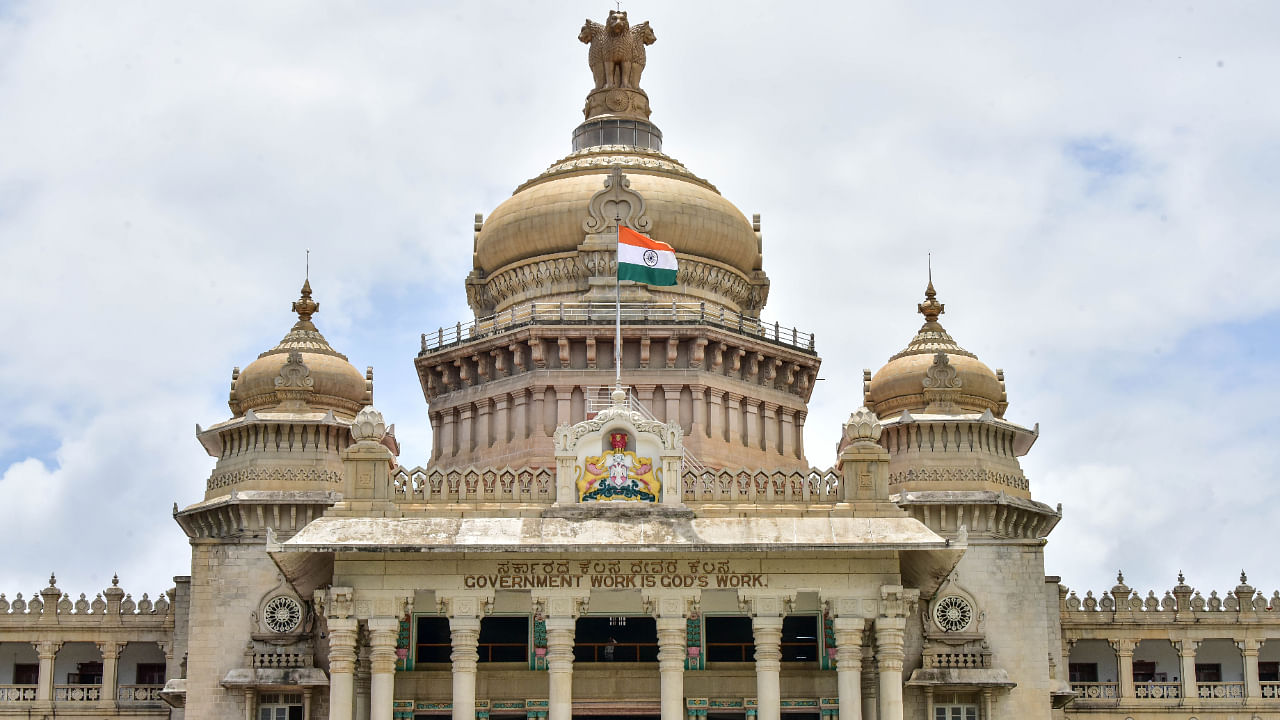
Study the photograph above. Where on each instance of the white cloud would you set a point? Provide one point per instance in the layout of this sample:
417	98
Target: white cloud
1096	183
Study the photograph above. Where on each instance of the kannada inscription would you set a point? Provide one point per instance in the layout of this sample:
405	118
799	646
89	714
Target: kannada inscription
616	575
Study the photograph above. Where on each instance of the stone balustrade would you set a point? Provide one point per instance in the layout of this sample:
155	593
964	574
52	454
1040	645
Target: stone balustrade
52	605
77	693
139	694
17	693
1096	690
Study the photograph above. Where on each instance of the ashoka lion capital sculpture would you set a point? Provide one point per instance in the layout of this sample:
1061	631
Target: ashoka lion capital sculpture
616	53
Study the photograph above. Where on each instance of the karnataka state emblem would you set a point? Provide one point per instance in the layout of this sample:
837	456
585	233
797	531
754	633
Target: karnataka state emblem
618	475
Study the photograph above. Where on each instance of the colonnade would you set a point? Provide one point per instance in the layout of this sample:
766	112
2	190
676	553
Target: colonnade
869	674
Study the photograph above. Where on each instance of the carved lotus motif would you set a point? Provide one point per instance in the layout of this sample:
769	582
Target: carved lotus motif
368	425
863	425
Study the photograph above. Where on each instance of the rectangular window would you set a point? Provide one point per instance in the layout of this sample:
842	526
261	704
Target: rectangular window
87	673
150	674
26	674
955	712
432	644
1208	672
729	638
1083	672
280	706
504	639
800	638
1269	671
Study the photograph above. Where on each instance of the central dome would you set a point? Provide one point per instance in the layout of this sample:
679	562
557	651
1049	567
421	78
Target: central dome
554	240
545	215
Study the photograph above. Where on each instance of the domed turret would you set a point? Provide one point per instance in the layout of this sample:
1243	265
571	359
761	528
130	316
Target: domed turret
302	372
933	374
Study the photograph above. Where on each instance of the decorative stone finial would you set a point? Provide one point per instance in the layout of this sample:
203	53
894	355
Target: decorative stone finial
1120	577
1243	578
53	580
931	308
863	425
305	307
618	396
1181	580
368	425
115	580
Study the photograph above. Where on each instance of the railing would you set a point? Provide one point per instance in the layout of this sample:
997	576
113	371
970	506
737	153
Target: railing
77	693
1220	690
962	660
139	694
281	660
1157	690
1270	689
546	313
620	652
528	485
1096	690
812	486
17	693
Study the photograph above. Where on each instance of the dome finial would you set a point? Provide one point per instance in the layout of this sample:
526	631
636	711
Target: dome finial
931	308
305	306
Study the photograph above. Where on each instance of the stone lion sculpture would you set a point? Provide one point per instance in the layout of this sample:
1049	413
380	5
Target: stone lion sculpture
616	53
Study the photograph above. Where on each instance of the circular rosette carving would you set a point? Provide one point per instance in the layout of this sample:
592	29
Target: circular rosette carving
953	613
282	614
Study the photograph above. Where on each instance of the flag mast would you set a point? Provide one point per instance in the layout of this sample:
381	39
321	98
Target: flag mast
617	304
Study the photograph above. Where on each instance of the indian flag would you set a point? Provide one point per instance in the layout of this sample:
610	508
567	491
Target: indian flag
644	260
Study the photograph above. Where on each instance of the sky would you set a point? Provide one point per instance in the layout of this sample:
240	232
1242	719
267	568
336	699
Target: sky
1097	183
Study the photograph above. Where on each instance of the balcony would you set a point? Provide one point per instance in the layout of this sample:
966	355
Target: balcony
139	696
1157	690
17	694
77	693
1220	690
1096	690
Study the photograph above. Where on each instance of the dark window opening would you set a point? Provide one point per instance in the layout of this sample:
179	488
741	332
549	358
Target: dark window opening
800	638
87	673
1269	671
729	638
432	644
1144	671
150	674
616	639
1083	672
504	639
26	674
1208	672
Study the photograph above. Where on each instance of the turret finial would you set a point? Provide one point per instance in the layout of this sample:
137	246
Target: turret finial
931	308
305	306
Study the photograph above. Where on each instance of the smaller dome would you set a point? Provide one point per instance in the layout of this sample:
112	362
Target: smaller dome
302	372
933	374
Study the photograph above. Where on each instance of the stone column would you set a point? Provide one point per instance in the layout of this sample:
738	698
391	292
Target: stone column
382	666
715	423
464	431
539	411
1124	666
800	415
671	393
464	635
870	683
770	427
768	637
560	632
787	416
671	655
564	394
753	422
483	439
436	438
848	632
699	412
1249	651
48	653
733	407
110	664
448	433
889	655
501	420
342	667
1186	658
520	411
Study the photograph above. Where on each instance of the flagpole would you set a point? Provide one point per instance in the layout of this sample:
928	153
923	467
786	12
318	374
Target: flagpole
617	306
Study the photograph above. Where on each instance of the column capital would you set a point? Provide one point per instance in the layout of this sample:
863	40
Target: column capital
46	648
342	645
382	644
1249	646
558	607
110	649
460	606
763	606
1126	647
1185	646
678	605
